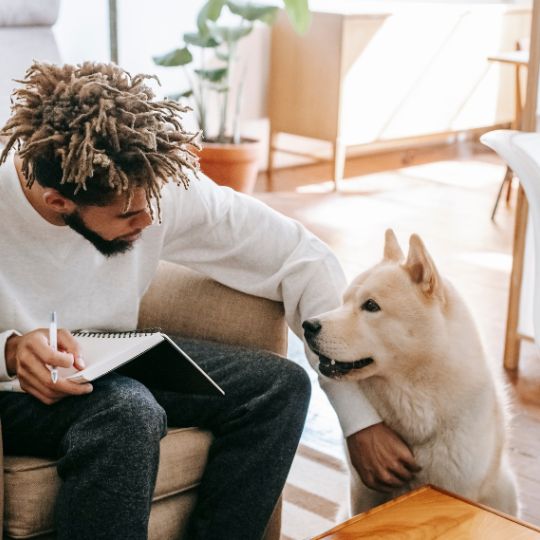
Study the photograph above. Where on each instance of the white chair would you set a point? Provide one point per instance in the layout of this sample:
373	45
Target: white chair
521	151
25	34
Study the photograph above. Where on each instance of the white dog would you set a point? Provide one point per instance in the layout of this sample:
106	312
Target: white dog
406	336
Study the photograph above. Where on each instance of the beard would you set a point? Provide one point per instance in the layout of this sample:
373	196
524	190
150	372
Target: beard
108	248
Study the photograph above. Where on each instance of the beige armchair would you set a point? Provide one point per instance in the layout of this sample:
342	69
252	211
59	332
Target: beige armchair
180	302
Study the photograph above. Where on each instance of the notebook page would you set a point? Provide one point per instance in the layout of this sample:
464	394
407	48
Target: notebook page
104	352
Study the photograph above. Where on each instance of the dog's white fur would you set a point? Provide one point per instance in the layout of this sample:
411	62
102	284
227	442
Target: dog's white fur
430	380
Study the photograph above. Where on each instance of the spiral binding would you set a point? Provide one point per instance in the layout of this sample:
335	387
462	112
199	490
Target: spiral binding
107	335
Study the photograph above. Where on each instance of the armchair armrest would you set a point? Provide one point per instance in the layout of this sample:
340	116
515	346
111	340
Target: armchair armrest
183	302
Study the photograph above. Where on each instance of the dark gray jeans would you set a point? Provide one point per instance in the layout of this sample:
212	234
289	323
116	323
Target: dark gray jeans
107	443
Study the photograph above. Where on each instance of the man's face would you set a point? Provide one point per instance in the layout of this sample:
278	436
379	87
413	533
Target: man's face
112	229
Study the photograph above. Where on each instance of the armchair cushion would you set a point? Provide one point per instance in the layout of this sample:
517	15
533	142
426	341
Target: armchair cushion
31	484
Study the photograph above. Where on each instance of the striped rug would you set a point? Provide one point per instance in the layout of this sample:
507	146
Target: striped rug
315	496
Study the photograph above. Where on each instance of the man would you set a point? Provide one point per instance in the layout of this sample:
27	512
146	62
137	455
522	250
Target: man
89	205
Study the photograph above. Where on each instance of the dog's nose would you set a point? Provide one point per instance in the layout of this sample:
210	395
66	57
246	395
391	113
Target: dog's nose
311	327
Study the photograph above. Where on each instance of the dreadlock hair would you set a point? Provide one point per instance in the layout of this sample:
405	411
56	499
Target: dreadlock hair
93	132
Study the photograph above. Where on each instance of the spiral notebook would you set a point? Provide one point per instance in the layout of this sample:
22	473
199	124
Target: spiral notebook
150	357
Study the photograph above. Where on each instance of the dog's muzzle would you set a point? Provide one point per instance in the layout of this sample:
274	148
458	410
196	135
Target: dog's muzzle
332	368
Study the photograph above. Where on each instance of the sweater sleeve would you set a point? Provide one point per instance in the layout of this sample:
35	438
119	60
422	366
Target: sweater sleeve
242	243
4	336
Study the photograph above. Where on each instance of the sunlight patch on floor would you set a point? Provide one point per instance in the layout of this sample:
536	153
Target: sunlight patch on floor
465	173
321	187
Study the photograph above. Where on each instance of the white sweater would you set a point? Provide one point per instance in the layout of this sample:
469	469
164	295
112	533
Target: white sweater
227	236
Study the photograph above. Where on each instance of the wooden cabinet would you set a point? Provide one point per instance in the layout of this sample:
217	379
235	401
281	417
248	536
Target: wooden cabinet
381	74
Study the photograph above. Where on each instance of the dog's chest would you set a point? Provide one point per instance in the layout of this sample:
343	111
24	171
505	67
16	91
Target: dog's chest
407	410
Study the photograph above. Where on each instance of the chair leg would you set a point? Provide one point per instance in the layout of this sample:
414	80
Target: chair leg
509	190
507	178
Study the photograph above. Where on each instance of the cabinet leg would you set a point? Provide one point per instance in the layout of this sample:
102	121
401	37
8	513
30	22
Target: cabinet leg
339	164
270	164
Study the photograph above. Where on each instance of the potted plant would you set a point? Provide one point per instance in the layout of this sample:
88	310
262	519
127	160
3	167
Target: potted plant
226	156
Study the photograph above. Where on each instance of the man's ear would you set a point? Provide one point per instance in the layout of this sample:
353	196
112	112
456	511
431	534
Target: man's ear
392	251
421	268
55	201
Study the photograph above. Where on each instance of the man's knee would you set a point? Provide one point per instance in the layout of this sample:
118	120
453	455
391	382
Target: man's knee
123	424
138	411
295	380
287	399
125	407
288	383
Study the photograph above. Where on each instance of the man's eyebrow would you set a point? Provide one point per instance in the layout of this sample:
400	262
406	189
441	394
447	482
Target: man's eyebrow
132	213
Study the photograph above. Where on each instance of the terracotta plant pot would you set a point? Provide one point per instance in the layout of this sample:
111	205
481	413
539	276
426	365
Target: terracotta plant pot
233	165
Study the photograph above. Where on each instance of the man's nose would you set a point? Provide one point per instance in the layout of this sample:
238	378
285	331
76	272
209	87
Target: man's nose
143	220
311	327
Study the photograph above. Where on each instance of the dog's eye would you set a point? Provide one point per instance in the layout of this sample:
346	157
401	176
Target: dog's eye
370	305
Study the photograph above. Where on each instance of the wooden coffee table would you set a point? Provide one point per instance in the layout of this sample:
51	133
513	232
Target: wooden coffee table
428	513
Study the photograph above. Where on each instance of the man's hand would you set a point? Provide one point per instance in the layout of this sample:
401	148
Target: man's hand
381	457
28	356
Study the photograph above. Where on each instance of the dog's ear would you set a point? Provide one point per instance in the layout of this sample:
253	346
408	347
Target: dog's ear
421	268
392	251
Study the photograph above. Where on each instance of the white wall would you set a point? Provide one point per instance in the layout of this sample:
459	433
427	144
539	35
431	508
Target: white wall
82	31
146	29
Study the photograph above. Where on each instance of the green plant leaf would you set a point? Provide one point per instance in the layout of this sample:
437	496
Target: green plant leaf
212	75
299	15
254	12
220	88
177	57
178	95
230	33
192	38
222	55
214	9
210	11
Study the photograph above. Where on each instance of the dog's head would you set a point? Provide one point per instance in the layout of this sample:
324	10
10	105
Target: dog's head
391	317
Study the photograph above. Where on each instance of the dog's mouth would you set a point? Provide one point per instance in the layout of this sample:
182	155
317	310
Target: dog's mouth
332	368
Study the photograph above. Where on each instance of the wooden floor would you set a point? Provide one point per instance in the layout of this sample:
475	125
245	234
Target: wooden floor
444	194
